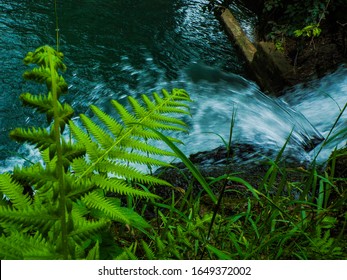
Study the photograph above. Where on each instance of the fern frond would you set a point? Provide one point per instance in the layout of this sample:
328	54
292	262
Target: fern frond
9	250
65	113
129	172
128	137
33	175
135	219
40	57
113	126
39	137
144	147
148	251
94	253
81	166
72	151
25	246
84	230
14	191
112	210
75	189
126	117
41	102
121	187
102	137
84	139
35	215
138	159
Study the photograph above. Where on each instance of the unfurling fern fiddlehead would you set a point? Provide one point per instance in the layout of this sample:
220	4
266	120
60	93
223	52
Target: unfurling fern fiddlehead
68	202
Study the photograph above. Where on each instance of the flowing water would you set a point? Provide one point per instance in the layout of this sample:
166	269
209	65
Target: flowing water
118	48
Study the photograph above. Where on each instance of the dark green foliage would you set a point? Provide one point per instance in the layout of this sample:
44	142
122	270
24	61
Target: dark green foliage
289	18
61	208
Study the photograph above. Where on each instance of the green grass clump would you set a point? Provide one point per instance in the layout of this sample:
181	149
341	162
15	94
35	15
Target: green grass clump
280	219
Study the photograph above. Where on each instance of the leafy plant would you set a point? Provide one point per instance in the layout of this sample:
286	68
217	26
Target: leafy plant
62	207
311	30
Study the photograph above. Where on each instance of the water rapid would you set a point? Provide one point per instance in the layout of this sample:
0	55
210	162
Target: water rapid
118	48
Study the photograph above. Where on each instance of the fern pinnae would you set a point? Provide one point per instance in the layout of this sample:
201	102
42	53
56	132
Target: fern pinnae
41	102
168	119
139	159
34	247
81	166
147	148
35	215
72	151
150	105
118	186
113	126
162	126
137	108
39	137
126	117
14	192
10	250
97	201
83	229
129	172
83	138
102	137
79	188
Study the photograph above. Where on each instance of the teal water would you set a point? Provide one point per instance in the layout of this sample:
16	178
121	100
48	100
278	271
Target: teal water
112	49
118	48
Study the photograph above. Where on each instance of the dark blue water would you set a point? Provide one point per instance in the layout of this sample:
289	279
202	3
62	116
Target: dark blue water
118	48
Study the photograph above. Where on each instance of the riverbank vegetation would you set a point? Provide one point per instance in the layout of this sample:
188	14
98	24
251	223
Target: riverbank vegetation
86	200
311	33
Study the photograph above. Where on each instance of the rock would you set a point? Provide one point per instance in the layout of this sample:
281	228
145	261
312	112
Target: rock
243	161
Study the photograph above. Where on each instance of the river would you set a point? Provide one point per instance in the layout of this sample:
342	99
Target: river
118	48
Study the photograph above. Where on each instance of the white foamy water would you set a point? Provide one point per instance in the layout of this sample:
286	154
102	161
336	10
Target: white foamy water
305	113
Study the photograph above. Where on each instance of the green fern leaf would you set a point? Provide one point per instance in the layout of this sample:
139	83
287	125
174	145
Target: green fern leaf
31	246
84	139
85	230
113	126
41	57
41	102
72	151
39	137
35	215
75	189
14	191
111	210
129	172
121	187
94	253
138	159
9	250
149	253
81	166
144	147
102	137
126	117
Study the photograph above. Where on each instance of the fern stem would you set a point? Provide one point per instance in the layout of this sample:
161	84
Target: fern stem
56	24
59	166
